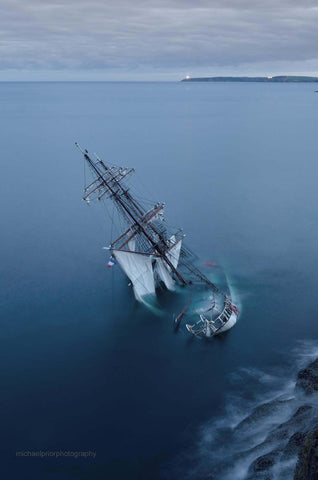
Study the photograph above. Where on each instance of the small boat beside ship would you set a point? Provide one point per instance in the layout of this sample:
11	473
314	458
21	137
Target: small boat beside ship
151	254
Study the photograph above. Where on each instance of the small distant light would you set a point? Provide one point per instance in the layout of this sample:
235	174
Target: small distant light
187	77
269	78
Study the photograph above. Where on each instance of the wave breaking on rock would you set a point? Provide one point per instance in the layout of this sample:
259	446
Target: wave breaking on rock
273	436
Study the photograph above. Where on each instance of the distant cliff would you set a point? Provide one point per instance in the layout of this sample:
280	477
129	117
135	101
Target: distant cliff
277	79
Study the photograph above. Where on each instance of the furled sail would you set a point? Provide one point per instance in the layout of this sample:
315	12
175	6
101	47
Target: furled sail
158	216
138	268
132	244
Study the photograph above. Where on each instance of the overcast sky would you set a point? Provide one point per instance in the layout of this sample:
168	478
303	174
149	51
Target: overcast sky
156	39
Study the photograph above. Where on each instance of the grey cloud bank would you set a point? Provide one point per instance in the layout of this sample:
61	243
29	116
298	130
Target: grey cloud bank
156	39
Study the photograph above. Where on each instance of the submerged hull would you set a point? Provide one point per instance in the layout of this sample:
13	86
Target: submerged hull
223	322
229	324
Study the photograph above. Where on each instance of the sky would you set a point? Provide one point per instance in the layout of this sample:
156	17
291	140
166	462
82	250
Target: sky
156	39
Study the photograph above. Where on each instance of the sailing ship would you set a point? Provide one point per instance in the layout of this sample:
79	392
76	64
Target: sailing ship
152	255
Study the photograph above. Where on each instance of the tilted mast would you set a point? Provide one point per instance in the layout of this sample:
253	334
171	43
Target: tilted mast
108	181
157	255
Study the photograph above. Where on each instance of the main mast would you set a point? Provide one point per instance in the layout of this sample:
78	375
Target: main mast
109	181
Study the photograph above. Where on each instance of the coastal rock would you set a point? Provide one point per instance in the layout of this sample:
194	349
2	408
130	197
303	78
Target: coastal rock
288	437
268	441
300	422
307	379
261	468
307	464
264	410
294	444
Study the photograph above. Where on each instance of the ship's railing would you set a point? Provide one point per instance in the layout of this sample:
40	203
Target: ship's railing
216	324
226	312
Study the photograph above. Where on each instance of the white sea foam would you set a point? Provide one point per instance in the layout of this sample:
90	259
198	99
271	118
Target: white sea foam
226	447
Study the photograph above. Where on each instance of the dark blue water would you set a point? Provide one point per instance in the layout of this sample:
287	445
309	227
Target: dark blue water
85	368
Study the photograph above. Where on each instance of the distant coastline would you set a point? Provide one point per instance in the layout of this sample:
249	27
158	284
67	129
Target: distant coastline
277	79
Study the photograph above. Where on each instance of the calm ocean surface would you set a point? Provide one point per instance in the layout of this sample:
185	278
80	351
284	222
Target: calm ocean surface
82	366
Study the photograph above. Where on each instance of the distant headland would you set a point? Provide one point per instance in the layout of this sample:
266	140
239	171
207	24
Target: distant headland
277	79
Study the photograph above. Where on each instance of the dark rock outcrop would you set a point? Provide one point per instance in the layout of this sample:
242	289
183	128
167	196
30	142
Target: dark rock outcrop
307	464
307	379
300	421
279	438
266	409
262	466
294	444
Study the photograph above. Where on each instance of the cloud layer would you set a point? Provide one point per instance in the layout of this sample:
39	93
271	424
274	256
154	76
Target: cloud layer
141	35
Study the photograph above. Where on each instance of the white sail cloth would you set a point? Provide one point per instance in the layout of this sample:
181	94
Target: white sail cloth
163	269
174	253
164	274
138	269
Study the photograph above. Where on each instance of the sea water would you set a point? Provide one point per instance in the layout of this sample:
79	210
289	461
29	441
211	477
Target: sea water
84	367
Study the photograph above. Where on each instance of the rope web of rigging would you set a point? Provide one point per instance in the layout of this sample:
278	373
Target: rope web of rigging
160	235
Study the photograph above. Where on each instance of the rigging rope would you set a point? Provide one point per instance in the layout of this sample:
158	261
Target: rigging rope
84	166
112	225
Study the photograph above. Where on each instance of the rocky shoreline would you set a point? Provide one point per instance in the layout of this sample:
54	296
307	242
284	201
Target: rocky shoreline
296	438
277	440
307	463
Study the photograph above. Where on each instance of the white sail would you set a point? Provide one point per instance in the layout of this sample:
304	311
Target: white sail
174	253
138	269
164	274
163	270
